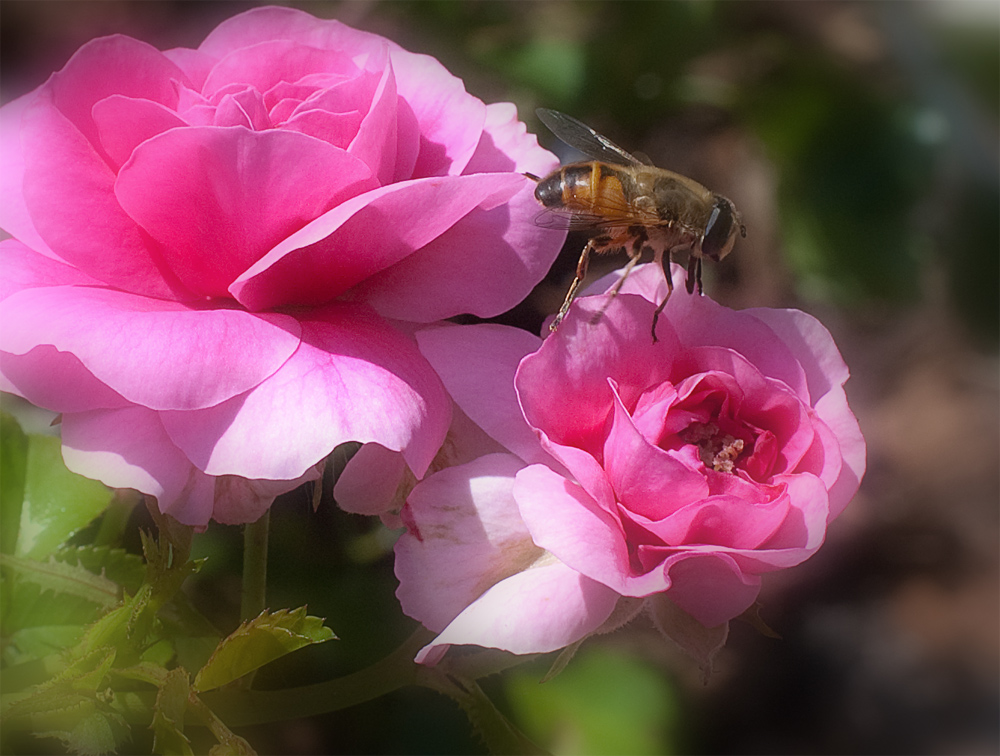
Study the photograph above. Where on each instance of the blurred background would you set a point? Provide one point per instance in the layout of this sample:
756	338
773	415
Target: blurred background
860	142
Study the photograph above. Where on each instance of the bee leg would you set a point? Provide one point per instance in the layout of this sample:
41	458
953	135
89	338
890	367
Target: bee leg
581	273
670	287
634	258
694	275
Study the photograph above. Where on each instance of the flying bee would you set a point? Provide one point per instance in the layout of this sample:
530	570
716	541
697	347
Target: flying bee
632	206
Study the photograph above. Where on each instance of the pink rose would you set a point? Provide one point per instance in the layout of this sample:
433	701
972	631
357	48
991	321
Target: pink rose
219	254
678	472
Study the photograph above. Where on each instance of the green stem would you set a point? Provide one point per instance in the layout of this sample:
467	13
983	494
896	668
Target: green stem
239	708
116	517
500	736
254	598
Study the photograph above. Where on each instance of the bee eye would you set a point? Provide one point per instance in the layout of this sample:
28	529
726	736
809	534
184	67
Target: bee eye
719	231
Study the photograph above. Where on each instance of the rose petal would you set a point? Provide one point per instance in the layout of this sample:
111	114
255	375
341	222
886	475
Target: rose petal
581	356
464	534
837	416
729	521
646	479
567	522
450	120
704	322
43	375
363	235
69	193
477	364
240	500
369	483
125	122
215	216
115	65
128	448
710	587
482	265
14	216
265	64
541	609
269	23
24	268
353	378
155	353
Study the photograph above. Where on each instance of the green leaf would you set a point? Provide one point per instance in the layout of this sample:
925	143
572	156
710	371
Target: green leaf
127	570
37	642
99	733
57	502
13	469
168	715
263	639
64	578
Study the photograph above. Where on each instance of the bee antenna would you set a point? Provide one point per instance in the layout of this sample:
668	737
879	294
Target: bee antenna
533	177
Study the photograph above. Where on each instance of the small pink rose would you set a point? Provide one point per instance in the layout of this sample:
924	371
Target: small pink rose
680	470
219	254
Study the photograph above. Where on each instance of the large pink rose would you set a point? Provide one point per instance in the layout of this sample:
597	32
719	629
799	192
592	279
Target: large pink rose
218	254
682	470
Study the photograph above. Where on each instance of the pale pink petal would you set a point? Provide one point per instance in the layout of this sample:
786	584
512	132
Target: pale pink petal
812	346
115	65
645	478
14	216
451	120
67	185
369	483
482	265
464	534
577	360
125	122
844	425
56	380
24	268
158	354
195	64
477	365
363	235
700	321
241	500
353	378
265	64
269	22
566	521
541	609
375	140
128	448
710	587
506	145
218	199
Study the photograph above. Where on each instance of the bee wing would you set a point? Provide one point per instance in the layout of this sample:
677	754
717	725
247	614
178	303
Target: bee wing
580	136
569	220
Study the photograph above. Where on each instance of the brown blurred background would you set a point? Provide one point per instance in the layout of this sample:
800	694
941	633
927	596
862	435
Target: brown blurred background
860	141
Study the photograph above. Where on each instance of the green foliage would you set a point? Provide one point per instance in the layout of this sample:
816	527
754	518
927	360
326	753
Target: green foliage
57	503
261	640
97	641
605	702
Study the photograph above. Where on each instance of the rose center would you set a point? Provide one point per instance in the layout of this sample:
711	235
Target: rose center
716	449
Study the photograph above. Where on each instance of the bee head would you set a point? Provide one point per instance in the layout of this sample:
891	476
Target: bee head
720	231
